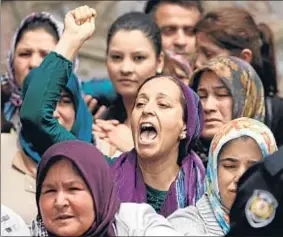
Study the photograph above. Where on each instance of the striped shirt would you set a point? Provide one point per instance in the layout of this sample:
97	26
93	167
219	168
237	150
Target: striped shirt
196	220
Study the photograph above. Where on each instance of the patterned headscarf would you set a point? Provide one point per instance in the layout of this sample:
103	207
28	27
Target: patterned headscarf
232	130
243	83
15	100
129	180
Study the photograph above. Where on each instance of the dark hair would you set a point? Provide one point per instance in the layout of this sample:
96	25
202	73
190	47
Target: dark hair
234	29
152	5
183	150
268	56
137	21
129	22
37	23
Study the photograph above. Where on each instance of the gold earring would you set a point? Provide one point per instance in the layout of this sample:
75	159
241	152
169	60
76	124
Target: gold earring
159	71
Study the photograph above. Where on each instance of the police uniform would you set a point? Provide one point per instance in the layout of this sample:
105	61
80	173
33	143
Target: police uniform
258	208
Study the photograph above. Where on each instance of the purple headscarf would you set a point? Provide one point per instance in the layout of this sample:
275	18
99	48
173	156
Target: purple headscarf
96	173
129	179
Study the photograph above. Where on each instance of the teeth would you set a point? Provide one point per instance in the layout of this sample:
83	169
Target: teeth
146	125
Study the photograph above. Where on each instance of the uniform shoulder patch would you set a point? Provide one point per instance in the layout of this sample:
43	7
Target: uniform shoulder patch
261	208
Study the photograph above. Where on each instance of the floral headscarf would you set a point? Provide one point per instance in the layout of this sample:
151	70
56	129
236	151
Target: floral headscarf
243	83
234	129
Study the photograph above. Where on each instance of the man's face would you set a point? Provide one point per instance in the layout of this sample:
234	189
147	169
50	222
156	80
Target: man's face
177	27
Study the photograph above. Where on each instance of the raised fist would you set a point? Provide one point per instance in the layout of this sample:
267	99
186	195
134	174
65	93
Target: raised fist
80	23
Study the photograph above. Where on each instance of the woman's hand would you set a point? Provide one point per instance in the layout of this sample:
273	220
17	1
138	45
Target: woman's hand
115	133
92	103
80	23
79	27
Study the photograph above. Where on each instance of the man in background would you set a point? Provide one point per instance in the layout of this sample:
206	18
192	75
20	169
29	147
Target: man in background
176	20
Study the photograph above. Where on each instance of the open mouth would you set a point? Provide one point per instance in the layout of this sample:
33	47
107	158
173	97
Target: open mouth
148	133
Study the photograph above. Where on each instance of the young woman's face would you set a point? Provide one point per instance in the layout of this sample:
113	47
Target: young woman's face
131	59
30	51
65	111
207	49
234	160
216	101
66	204
157	119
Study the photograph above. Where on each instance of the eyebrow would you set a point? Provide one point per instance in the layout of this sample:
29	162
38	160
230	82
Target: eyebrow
67	183
231	159
31	49
214	87
162	95
120	51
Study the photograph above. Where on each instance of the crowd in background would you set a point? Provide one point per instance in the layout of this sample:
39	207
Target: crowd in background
164	147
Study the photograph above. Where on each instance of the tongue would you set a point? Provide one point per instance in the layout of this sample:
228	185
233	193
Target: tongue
148	135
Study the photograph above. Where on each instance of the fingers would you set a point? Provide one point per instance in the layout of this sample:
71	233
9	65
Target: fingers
102	109
96	128
83	14
112	121
104	125
93	103
87	99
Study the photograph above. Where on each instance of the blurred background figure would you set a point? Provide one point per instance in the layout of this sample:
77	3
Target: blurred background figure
177	20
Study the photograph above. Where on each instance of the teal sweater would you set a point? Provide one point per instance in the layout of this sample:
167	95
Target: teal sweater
41	92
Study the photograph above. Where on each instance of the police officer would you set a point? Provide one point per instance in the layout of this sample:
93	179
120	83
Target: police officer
258	208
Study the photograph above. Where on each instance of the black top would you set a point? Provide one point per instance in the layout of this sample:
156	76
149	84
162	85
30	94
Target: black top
274	117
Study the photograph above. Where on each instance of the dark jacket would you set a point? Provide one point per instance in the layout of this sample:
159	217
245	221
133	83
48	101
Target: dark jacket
258	208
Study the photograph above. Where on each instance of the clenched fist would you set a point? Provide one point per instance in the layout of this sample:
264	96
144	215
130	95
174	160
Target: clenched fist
80	22
79	27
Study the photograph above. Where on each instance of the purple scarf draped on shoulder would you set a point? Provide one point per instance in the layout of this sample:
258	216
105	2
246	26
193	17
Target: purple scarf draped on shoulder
129	179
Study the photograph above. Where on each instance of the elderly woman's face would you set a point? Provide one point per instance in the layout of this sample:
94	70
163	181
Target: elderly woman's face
235	158
216	101
66	204
157	119
30	51
131	59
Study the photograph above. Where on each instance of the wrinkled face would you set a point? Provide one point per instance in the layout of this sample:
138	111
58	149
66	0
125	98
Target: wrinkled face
30	51
177	27
216	101
66	204
65	111
157	119
234	160
130	60
207	49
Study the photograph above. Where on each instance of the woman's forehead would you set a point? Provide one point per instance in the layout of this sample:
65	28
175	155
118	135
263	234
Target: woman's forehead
161	85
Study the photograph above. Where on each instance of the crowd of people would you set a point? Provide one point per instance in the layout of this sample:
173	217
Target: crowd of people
183	139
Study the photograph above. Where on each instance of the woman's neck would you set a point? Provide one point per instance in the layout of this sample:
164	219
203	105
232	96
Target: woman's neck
129	104
159	173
